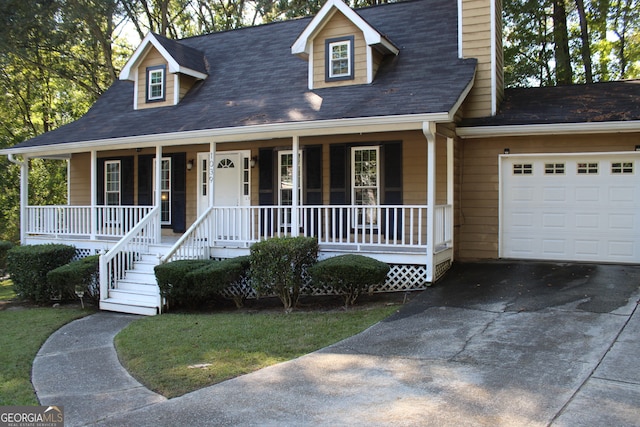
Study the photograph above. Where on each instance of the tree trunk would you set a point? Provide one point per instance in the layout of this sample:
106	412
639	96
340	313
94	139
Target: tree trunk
586	45
564	75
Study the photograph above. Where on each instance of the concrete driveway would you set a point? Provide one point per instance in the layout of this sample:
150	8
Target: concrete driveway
492	344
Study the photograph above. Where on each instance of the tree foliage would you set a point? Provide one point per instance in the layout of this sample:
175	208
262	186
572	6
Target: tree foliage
553	42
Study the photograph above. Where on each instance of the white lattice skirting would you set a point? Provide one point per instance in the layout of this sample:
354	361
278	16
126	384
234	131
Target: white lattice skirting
401	278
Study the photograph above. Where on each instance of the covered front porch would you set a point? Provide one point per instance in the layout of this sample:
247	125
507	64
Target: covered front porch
379	219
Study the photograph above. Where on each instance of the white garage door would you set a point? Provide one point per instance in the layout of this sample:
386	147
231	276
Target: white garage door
571	207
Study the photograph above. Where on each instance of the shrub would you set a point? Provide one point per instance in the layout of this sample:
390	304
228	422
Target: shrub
279	264
4	248
28	267
213	279
77	276
173	282
349	275
239	290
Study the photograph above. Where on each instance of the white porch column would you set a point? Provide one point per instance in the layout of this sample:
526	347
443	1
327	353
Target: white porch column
94	195
450	179
429	130
158	190
24	198
212	172
212	191
295	202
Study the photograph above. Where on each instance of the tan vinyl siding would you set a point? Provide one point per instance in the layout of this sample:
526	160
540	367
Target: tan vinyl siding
80	179
153	58
479	183
476	43
339	26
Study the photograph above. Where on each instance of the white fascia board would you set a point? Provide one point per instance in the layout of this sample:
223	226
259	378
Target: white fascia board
244	133
462	97
131	65
548	129
302	45
141	51
494	59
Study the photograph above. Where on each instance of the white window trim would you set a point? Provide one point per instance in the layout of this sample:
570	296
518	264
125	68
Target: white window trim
162	191
106	182
150	72
280	187
349	72
374	216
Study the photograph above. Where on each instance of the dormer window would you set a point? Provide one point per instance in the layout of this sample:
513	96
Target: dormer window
155	83
339	59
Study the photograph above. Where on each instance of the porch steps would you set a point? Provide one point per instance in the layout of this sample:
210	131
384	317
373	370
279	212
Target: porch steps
138	293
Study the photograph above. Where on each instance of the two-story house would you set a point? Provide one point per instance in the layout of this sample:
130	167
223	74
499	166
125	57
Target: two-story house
383	131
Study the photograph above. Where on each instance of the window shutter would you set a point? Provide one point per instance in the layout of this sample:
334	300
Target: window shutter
392	181
100	181
338	180
266	168
392	178
126	166
178	192
145	180
313	175
313	183
265	185
339	187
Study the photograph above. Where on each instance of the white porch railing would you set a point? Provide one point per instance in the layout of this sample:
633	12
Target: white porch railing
127	251
111	221
353	228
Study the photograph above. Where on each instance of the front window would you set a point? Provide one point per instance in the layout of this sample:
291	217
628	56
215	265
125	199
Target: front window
165	190
112	188
285	180
155	83
366	183
339	61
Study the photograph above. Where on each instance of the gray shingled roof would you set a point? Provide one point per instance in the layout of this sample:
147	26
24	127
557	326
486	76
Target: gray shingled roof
184	55
254	79
597	102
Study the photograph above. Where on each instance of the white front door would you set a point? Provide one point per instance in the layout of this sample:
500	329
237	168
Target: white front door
232	189
582	207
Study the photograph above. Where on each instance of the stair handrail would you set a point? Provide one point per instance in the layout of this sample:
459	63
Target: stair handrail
191	231
110	273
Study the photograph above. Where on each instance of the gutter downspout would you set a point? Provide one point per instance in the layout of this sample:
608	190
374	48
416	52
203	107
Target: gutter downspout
24	194
429	131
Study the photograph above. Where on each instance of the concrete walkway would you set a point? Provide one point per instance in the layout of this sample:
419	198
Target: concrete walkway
493	344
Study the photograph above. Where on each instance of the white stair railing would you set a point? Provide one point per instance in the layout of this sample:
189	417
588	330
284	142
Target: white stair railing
195	242
127	251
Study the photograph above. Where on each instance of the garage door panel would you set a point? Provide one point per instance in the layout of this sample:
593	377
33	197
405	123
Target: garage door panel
568	208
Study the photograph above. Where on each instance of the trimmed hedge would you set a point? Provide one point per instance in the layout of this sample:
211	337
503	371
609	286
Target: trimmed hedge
5	246
173	281
278	266
349	275
81	275
195	282
28	267
211	280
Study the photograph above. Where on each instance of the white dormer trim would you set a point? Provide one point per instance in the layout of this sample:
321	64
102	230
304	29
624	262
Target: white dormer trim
129	70
303	46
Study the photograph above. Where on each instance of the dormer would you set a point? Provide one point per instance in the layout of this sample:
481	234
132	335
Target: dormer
341	47
163	71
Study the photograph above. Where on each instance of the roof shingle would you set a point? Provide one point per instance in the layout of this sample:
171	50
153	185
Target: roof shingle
254	79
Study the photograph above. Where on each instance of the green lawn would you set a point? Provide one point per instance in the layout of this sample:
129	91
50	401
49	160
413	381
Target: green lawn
24	331
174	354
